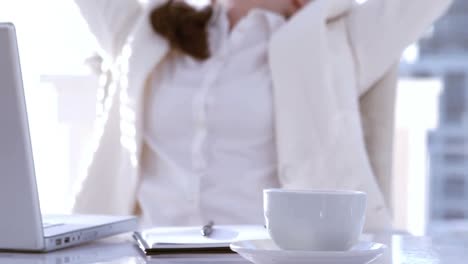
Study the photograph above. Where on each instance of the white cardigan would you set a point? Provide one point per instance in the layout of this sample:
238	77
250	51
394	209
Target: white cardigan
334	76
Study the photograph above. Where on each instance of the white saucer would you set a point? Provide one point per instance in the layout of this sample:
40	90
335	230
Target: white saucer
266	252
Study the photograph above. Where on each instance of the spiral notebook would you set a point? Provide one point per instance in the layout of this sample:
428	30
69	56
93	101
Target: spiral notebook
189	240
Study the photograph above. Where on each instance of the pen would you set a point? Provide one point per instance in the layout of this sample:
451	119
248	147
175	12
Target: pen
207	229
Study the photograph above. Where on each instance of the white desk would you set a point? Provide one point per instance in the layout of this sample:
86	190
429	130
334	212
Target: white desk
451	249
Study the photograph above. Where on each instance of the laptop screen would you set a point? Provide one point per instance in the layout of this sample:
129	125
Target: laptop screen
20	217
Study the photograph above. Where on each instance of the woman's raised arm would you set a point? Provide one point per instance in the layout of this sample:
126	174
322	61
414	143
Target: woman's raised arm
380	30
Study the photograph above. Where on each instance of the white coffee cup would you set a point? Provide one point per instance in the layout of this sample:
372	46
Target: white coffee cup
314	220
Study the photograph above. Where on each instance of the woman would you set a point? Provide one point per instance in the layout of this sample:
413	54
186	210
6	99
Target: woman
270	93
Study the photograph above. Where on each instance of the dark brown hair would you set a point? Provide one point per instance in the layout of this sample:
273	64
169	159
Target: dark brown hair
184	26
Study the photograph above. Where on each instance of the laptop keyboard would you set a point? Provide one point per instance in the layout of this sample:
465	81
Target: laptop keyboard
49	225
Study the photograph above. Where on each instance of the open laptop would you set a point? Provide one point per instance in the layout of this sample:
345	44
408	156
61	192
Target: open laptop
22	228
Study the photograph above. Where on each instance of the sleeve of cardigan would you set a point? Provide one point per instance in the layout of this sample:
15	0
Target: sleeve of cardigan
110	21
380	30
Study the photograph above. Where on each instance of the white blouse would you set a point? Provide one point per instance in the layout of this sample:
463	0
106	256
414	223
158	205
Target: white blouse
209	130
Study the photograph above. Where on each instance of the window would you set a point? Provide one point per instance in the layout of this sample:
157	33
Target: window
53	43
454	159
442	56
453	98
454	188
454	141
454	215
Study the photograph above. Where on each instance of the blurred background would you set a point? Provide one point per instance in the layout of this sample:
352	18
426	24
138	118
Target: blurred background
431	133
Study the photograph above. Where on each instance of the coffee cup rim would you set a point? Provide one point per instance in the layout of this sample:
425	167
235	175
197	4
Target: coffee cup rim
311	191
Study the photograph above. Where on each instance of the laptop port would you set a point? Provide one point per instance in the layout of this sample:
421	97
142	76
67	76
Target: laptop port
66	240
58	242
